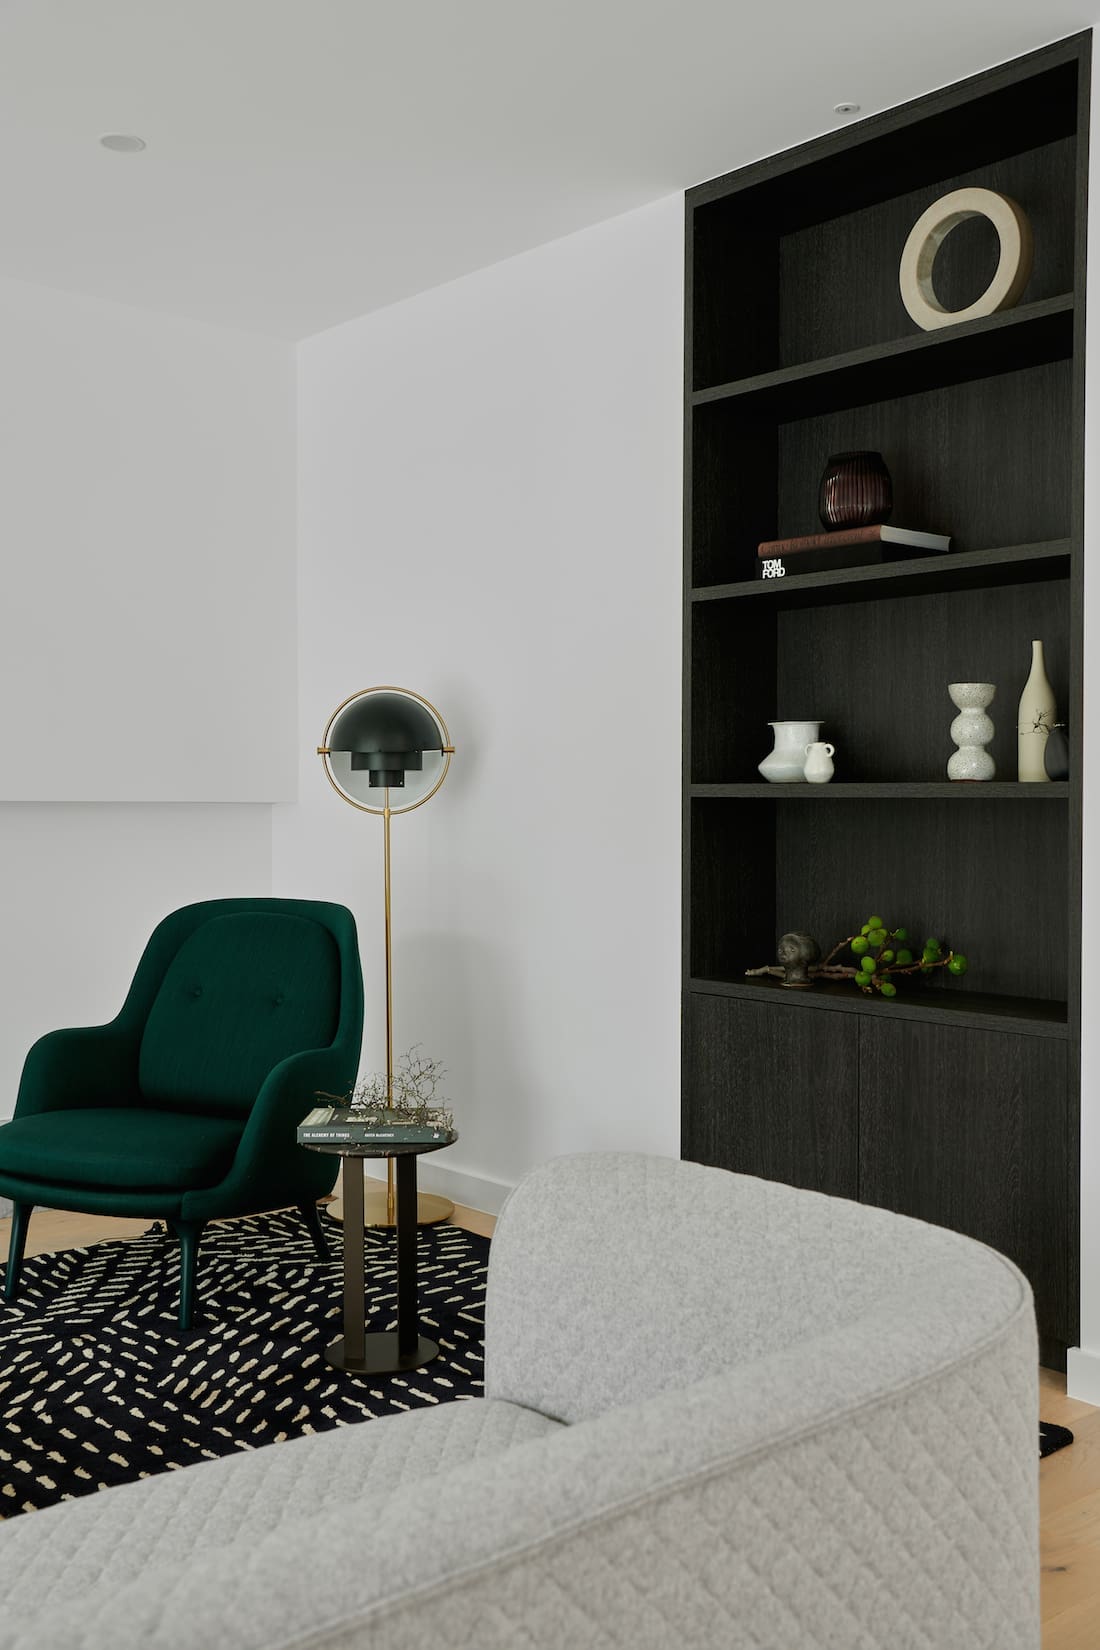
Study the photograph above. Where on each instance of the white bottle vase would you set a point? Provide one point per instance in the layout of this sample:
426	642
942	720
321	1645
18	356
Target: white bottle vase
1037	717
971	730
784	765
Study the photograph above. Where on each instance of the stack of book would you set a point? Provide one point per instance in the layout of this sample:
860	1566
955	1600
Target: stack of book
846	547
377	1126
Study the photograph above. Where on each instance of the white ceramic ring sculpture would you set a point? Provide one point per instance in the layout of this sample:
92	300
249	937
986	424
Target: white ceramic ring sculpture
928	235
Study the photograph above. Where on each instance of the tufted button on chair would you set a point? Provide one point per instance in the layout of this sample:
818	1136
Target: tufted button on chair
184	1108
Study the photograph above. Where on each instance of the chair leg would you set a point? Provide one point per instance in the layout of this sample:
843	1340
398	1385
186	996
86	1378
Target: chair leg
20	1220
312	1218
189	1233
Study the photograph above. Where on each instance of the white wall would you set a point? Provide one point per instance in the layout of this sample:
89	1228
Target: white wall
489	513
147	639
84	886
147	624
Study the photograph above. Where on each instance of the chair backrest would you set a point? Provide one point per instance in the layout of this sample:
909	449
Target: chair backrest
614	1277
236	987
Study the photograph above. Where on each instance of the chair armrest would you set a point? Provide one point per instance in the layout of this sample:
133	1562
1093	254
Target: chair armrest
270	1168
80	1066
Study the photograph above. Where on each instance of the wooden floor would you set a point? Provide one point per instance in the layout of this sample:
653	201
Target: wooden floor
1069	1502
1069	1482
51	1229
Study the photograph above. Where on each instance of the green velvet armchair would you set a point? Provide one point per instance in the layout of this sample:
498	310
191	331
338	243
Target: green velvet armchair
184	1108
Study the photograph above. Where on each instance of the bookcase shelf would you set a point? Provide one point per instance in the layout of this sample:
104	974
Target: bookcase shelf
901	790
1038	333
797	346
955	570
950	1007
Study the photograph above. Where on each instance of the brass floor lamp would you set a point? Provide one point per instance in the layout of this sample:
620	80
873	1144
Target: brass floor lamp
386	740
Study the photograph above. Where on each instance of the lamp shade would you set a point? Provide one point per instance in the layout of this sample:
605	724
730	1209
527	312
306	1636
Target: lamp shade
386	734
377	738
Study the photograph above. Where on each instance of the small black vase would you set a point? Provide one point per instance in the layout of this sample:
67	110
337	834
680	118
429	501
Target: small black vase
1056	754
856	491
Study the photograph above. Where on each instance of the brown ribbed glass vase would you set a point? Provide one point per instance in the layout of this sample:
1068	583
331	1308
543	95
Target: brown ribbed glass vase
856	491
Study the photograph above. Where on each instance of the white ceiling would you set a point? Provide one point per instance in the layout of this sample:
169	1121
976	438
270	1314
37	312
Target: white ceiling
309	160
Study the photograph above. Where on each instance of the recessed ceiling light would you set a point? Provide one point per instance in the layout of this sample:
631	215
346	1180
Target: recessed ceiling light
123	143
846	108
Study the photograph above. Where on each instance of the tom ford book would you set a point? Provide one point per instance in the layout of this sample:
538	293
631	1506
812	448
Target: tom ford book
848	547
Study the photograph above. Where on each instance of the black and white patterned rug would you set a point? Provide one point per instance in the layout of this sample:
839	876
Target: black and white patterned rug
99	1386
1052	1438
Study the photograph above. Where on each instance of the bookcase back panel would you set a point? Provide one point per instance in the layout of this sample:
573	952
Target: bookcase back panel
839	279
876	674
911	863
1013	138
1010	487
988	878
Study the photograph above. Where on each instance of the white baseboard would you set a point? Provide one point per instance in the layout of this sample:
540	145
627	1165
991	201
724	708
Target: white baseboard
472	1190
1083	1375
5	1207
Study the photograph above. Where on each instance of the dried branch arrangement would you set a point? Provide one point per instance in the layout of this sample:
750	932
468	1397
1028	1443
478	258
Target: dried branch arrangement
416	1096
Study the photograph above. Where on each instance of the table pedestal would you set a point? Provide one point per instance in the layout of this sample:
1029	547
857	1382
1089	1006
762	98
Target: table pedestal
387	1352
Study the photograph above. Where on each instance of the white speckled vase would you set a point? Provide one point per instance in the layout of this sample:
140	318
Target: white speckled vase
971	730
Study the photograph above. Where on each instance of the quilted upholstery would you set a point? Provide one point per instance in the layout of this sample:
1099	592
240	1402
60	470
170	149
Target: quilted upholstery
731	1278
859	1478
115	1537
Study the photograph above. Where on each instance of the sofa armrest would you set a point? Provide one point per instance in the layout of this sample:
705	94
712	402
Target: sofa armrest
80	1066
849	1493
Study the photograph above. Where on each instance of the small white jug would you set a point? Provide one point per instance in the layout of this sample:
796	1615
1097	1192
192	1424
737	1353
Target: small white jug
819	763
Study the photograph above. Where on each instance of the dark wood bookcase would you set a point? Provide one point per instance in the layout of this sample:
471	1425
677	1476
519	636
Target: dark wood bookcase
956	1102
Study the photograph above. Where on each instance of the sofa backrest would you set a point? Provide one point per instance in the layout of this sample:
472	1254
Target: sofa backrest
243	991
614	1277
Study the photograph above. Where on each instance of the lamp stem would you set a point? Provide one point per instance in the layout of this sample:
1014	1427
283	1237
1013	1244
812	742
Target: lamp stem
391	1210
389	955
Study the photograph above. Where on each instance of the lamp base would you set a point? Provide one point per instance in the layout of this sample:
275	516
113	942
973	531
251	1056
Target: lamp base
430	1210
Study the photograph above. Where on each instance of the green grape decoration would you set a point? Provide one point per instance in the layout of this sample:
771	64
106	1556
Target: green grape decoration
877	973
881	959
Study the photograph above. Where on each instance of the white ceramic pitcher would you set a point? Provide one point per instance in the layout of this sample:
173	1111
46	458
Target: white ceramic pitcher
818	768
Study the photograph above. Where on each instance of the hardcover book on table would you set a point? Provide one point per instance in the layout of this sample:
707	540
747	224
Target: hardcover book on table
339	1125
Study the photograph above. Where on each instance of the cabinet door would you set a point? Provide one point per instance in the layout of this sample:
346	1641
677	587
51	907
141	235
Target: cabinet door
770	1090
967	1129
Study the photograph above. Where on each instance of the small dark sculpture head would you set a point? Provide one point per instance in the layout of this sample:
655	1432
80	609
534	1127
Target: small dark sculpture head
797	952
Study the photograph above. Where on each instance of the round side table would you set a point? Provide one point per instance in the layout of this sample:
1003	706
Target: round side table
385	1352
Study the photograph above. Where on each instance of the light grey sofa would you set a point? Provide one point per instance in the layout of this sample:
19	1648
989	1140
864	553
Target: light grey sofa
718	1412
